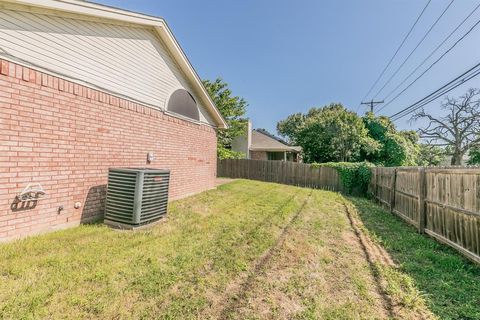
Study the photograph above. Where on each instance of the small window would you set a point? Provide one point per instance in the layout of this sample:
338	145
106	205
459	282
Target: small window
275	156
183	103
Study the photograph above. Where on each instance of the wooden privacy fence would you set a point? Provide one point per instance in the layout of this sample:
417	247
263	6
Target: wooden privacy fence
285	172
442	202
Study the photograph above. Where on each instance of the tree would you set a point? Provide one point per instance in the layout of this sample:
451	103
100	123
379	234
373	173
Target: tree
430	155
331	133
396	148
293	124
458	130
290	127
233	109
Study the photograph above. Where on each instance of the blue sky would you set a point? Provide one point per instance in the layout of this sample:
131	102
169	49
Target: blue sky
286	56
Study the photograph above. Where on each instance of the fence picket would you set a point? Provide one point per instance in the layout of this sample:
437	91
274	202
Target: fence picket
291	173
442	202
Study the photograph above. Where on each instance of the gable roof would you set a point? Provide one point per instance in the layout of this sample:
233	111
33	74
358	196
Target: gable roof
101	12
264	141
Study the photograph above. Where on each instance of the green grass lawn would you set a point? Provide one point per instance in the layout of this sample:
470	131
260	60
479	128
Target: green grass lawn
449	283
248	250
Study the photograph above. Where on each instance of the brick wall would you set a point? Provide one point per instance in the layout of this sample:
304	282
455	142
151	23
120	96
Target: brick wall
258	155
65	136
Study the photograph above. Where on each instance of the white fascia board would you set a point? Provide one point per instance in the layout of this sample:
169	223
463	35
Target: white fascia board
91	9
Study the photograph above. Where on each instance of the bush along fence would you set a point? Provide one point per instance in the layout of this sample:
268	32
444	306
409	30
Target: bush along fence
443	202
351	178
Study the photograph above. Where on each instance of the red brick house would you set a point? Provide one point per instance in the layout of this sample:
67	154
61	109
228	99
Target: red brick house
83	88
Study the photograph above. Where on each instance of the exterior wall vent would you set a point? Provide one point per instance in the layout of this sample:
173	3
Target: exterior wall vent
136	196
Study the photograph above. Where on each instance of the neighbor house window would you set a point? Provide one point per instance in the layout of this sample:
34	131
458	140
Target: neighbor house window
275	155
183	103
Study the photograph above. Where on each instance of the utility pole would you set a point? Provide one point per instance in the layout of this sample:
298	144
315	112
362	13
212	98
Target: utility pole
372	104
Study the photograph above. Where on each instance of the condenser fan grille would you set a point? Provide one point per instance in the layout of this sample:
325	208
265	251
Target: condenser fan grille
136	197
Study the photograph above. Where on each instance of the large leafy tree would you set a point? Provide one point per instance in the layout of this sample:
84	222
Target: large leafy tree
233	109
458	130
330	133
396	148
291	126
333	133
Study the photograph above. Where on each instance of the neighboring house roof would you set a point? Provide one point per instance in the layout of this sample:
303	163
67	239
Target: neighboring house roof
265	132
96	12
264	141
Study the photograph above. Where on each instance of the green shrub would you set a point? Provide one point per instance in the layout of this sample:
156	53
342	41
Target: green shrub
223	153
355	176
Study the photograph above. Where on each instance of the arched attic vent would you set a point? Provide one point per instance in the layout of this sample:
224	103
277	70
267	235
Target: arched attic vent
183	103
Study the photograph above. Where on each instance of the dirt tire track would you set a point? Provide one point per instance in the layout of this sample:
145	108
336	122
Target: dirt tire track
236	300
372	256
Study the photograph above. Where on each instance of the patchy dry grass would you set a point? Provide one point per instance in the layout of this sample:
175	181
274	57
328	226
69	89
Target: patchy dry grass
248	250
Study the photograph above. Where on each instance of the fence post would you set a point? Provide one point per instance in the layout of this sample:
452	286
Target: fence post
421	199
392	190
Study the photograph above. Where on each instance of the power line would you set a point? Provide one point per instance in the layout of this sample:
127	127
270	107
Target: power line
436	96
414	49
433	64
459	80
431	54
455	81
467	75
396	52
